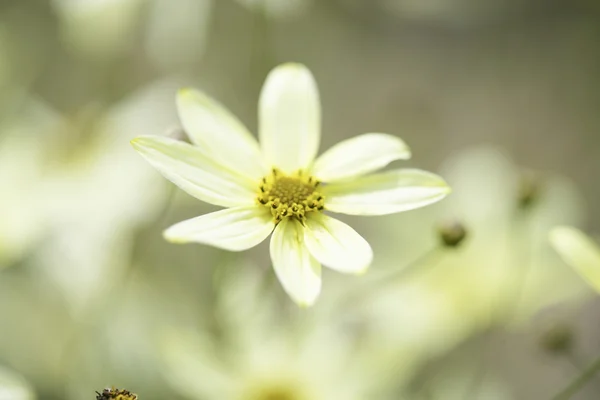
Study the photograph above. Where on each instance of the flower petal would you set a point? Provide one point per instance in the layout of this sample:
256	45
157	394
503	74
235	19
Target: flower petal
233	229
290	118
385	193
579	251
336	245
212	127
297	270
194	171
359	155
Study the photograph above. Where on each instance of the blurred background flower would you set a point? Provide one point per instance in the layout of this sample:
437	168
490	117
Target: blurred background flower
262	352
503	273
14	387
498	97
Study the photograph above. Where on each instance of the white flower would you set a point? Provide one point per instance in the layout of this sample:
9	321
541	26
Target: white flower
261	354
14	387
24	154
92	210
579	251
279	187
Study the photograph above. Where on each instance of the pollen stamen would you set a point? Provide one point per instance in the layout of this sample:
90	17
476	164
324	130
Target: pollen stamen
290	196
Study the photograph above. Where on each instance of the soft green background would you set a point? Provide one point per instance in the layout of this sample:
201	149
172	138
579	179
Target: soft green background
482	91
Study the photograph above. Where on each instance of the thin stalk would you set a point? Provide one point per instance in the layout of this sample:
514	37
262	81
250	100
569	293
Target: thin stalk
385	278
519	229
388	277
579	382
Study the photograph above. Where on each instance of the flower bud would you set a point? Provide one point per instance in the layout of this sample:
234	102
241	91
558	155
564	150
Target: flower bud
530	188
452	233
558	339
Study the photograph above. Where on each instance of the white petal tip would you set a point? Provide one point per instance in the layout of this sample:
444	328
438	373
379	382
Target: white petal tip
135	142
170	236
444	188
363	271
292	66
292	70
188	95
186	91
306	304
173	239
403	152
558	231
142	141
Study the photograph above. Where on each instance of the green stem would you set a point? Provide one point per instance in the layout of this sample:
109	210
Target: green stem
578	383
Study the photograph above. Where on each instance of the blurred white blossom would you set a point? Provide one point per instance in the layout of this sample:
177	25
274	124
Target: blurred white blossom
579	251
263	352
25	152
14	386
98	200
98	28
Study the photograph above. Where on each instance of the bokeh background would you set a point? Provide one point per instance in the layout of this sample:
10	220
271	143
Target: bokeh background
499	97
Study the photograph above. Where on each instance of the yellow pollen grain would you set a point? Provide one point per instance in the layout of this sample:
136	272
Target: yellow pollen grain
290	196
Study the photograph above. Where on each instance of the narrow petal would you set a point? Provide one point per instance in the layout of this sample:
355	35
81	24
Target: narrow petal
297	270
212	127
336	245
290	118
385	193
358	156
579	251
233	229
194	171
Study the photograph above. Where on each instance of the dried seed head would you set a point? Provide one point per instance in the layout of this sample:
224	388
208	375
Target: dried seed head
530	190
115	394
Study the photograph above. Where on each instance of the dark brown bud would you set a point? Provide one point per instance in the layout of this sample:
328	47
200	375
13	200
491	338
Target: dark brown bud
530	188
558	339
451	233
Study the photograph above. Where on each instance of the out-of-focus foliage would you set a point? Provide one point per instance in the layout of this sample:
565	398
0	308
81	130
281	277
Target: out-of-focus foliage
484	93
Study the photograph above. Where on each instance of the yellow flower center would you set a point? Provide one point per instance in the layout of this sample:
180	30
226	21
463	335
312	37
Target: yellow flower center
290	196
276	391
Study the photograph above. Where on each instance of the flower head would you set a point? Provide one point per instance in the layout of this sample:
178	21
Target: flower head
280	186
